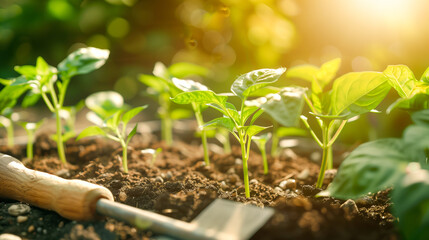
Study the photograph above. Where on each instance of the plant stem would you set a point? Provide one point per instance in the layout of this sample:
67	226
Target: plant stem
124	157
245	171
166	130
60	144
325	148
264	158
274	144
330	160
200	123
30	142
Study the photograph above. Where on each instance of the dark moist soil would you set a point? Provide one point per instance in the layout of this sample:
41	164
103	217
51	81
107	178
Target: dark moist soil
179	185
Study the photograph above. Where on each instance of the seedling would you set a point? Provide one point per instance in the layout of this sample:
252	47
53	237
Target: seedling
240	123
153	152
189	85
30	128
7	119
401	163
162	88
261	141
351	95
51	83
111	119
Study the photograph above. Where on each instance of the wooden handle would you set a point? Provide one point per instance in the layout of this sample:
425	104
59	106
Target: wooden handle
72	199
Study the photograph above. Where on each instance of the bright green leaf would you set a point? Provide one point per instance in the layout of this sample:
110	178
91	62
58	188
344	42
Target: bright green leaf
131	134
223	122
27	71
425	76
401	78
290	131
306	72
42	68
82	61
105	103
285	107
248	83
253	130
202	97
188	85
91	131
131	114
156	83
184	69
327	72
371	167
356	93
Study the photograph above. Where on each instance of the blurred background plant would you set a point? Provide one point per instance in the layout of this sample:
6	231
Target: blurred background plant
228	37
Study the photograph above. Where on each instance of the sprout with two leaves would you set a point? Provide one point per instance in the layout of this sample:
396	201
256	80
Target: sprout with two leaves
240	123
30	128
351	95
111	119
51	83
261	141
187	86
162	88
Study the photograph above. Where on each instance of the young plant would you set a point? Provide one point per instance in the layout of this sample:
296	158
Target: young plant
189	85
162	88
51	83
30	128
240	123
401	163
261	142
153	152
351	95
111	119
7	119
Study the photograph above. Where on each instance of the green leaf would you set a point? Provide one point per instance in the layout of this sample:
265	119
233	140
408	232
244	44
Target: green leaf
131	134
91	131
371	167
27	71
247	112
184	69
131	114
114	120
326	74
42	68
82	61
290	131
180	113
30	99
401	78
421	117
253	130
411	205
223	122
188	85
202	97
425	76
285	107
156	83
161	71
357	93
417	136
248	83
306	72
105	103
10	93
5	82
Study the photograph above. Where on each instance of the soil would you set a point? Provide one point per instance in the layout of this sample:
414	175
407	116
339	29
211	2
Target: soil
179	185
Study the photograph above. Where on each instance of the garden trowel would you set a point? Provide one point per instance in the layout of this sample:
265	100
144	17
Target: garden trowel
80	200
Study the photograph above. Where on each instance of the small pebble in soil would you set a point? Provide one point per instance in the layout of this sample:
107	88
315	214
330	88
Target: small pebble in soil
122	196
31	229
159	179
330	174
290	194
288	184
304	174
316	156
8	236
39	230
223	185
350	209
61	224
21	219
64	173
18	209
231	171
45	231
238	161
253	181
279	191
168	175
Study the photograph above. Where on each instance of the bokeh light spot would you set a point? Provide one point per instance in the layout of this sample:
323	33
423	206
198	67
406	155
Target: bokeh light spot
60	9
127	87
118	28
99	41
